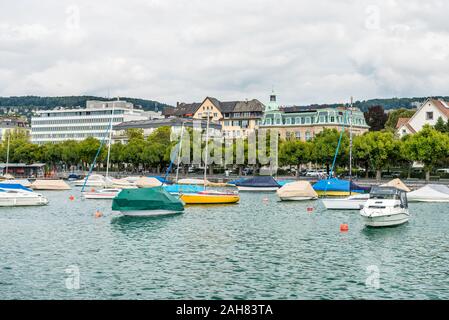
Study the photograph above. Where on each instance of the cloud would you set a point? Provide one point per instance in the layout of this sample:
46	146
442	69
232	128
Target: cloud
172	50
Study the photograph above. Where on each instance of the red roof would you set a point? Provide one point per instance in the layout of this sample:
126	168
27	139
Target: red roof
441	106
401	122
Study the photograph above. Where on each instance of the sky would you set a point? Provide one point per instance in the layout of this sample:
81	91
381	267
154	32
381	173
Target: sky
177	50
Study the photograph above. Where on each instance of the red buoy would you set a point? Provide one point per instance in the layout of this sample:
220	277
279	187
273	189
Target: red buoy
310	209
71	198
98	214
344	227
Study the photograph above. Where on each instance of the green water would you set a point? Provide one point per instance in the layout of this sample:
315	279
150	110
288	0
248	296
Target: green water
254	250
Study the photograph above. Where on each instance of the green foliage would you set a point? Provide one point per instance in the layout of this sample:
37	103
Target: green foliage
394	116
441	126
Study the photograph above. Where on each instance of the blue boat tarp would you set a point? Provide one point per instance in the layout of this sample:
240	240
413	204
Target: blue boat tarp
258	181
161	179
14	186
181	188
338	185
236	181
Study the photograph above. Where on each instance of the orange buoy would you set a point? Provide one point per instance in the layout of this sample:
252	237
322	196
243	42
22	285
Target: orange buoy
310	209
71	198
92	190
344	227
98	214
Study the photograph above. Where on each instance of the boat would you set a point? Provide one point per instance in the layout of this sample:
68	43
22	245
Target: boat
119	183
430	193
386	207
297	191
16	195
73	177
398	184
147	182
354	202
94	180
102	194
210	197
147	202
177	189
24	182
50	185
258	184
338	188
205	196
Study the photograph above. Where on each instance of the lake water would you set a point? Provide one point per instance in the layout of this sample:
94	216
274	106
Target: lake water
253	250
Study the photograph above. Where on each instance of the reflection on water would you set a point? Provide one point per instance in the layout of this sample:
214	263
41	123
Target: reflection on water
257	249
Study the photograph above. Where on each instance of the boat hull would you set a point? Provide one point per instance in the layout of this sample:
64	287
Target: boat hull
390	220
343	204
23	202
258	189
209	199
297	198
335	193
97	196
150	213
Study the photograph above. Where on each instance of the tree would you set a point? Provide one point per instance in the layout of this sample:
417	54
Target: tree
441	126
295	153
325	145
429	147
394	116
376	118
378	148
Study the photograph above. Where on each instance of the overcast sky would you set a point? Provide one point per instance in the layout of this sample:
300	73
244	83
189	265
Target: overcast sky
183	50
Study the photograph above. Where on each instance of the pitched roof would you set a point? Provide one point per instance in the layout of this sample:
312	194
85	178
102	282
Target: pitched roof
401	122
224	107
443	106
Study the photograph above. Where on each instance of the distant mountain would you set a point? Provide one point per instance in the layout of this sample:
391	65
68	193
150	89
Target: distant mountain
25	105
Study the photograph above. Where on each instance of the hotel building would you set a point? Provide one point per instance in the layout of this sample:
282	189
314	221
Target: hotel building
305	122
80	123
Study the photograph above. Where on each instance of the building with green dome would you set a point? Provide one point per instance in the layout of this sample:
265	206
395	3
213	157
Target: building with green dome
305	122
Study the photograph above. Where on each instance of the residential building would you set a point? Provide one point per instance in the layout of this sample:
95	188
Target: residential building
305	122
427	113
80	123
237	118
149	126
14	124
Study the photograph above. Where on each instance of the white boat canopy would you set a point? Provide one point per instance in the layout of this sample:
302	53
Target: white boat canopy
398	184
297	189
430	193
50	185
193	181
148	182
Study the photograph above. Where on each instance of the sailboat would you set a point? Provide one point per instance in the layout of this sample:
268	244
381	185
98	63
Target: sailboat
99	180
206	196
356	195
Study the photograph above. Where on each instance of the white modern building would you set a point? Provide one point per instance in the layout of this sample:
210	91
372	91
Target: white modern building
80	123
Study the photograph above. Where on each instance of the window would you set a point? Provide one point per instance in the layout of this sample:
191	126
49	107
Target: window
297	120
429	115
332	119
308	120
288	121
307	135
268	121
298	135
215	114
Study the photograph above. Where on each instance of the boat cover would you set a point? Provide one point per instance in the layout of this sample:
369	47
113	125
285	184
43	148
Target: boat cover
335	184
436	192
23	182
297	189
398	184
14	186
50	185
284	182
193	181
156	198
258	181
162	179
148	182
176	188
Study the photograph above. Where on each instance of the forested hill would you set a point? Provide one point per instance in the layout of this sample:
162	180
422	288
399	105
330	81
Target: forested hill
24	104
392	103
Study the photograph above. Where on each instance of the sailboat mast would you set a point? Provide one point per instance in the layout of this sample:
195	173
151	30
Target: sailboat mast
179	152
207	150
350	145
7	151
110	140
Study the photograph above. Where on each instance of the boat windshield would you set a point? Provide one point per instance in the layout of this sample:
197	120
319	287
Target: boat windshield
384	196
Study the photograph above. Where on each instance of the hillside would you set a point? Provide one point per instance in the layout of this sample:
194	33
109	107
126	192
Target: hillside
25	105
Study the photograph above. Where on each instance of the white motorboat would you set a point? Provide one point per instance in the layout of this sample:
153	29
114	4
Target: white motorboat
16	197
102	194
386	207
94	180
355	202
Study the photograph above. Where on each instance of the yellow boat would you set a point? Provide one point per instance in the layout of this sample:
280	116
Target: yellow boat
336	193
208	197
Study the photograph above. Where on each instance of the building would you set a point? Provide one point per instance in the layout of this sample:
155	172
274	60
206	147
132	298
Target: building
305	122
237	118
14	124
80	123
149	126
427	113
22	170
